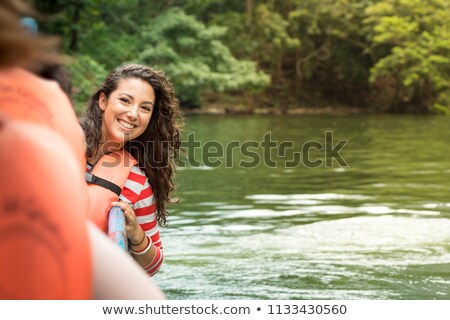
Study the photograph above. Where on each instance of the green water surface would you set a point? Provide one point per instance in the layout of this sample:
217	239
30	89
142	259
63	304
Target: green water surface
377	227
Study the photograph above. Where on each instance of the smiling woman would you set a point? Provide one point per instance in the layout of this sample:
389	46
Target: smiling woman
127	111
132	133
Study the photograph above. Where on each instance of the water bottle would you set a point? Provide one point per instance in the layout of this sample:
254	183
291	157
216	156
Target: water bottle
116	227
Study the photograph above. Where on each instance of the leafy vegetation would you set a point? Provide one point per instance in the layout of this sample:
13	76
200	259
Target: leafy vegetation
388	55
195	58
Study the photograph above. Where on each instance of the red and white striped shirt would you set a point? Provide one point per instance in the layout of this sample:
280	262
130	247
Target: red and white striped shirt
138	192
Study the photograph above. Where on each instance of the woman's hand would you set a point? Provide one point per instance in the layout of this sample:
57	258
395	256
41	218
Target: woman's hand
135	234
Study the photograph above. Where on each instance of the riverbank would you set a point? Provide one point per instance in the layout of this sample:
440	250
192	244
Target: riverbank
278	111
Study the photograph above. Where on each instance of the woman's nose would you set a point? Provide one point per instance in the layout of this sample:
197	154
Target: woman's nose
132	113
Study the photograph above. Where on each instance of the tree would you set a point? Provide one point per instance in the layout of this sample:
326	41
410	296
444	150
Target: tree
195	58
86	75
411	40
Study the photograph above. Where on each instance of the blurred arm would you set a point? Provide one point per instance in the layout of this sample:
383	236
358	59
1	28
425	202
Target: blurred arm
115	274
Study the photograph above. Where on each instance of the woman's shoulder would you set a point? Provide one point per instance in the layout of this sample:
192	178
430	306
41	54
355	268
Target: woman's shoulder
135	185
137	175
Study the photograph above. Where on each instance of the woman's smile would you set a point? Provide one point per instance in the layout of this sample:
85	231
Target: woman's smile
126	125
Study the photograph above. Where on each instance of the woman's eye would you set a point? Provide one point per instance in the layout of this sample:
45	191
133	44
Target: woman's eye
124	100
146	108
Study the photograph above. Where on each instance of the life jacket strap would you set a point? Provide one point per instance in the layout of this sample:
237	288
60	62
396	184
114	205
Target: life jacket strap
93	179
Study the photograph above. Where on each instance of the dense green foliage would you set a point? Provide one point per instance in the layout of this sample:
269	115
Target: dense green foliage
86	75
417	35
388	55
195	58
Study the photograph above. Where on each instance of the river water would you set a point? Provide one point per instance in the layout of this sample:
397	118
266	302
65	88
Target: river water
277	215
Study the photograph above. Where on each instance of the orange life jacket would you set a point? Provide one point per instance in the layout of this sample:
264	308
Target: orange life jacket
105	182
24	96
44	245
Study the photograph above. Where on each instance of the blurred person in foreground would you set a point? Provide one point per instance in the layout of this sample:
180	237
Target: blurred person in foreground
48	249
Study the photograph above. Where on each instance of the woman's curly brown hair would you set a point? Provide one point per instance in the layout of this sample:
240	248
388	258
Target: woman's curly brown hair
158	146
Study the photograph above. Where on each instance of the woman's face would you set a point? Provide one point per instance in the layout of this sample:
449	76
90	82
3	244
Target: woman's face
127	111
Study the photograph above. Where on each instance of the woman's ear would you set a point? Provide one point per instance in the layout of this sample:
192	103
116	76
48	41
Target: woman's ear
102	101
